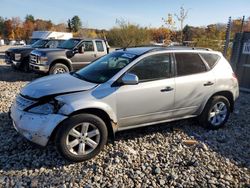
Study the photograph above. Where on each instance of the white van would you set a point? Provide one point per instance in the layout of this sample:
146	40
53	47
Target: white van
37	35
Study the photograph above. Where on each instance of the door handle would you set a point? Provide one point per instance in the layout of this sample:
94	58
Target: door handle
167	89
208	83
95	55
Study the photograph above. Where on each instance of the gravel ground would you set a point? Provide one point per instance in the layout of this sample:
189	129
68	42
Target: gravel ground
179	154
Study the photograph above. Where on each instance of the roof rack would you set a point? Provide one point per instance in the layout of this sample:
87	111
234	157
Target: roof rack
179	48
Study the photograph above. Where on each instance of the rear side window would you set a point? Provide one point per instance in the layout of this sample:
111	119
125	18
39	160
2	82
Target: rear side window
99	46
211	59
189	63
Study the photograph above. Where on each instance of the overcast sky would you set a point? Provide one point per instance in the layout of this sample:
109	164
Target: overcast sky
102	14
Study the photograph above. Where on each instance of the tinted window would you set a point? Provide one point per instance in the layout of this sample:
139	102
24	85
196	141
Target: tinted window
40	43
69	44
189	63
99	46
211	59
153	67
89	46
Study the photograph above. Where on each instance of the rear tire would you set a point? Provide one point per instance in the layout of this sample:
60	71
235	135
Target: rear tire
215	113
81	137
58	68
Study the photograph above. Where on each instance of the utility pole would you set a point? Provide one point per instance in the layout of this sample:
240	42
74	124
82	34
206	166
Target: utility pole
228	32
242	24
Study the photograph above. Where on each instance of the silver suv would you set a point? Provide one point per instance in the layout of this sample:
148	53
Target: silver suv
125	89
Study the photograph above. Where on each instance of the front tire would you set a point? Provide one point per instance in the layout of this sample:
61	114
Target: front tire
215	113
81	137
58	68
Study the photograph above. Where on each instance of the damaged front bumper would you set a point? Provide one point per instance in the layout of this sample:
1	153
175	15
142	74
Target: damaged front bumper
35	127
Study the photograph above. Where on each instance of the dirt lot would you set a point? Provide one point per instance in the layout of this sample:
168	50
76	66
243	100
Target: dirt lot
156	156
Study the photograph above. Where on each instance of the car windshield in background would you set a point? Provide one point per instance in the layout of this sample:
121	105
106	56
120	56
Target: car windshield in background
32	41
105	68
69	44
39	44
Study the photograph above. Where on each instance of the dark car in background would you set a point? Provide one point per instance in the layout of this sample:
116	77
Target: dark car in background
18	57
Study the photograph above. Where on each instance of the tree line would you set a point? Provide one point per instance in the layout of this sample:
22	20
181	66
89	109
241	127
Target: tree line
125	33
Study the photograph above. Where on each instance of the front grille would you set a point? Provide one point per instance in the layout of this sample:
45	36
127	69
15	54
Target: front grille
33	58
23	103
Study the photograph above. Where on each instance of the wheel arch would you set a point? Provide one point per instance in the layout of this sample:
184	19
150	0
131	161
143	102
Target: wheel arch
62	61
111	125
227	94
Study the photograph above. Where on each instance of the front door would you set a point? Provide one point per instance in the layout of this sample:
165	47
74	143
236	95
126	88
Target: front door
153	98
80	60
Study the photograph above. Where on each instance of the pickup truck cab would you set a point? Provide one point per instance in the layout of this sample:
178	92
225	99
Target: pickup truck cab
18	57
71	55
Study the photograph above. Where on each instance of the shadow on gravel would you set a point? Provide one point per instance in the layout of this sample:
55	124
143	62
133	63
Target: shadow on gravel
8	74
31	156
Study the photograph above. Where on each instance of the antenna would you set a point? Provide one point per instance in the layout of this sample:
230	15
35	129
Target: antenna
124	48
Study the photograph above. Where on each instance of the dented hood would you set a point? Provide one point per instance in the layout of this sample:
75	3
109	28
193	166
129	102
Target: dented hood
55	85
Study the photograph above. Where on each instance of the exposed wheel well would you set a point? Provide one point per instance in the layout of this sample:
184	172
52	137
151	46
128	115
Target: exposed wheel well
62	61
98	112
228	95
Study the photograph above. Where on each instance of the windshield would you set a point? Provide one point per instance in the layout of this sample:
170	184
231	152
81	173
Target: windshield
32	41
101	70
69	44
39	44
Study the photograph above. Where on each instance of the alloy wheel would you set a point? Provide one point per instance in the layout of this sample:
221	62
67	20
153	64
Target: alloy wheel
218	114
59	71
83	138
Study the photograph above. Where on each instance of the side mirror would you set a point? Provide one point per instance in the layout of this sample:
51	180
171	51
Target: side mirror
81	49
130	79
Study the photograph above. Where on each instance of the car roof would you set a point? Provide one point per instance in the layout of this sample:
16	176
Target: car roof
78	38
146	49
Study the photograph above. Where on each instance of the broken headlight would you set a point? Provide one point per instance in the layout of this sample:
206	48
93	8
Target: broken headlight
50	107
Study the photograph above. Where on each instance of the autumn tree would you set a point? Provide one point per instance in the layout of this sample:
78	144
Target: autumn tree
29	27
160	34
125	34
43	25
62	27
17	26
8	29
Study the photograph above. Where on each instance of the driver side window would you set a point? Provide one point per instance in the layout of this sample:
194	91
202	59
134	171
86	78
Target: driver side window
154	67
89	46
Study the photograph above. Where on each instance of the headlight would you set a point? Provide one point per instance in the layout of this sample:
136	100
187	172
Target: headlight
50	107
42	59
17	57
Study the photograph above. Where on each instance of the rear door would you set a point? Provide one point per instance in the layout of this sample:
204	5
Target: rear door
194	83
